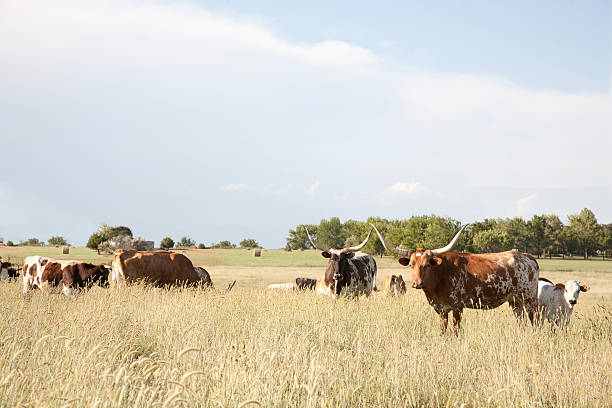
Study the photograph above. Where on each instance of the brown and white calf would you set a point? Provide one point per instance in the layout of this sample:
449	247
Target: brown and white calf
8	271
394	285
455	281
556	302
348	270
32	266
71	275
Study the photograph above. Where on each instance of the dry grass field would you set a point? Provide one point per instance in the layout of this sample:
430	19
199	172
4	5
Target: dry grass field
141	347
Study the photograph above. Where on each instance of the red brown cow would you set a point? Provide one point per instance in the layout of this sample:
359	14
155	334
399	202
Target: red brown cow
160	268
305	283
454	281
347	269
71	275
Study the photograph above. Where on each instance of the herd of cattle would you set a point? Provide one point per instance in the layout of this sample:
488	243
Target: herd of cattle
451	281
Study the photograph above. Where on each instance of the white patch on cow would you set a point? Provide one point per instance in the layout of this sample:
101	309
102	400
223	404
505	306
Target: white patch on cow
117	274
199	271
67	291
4	274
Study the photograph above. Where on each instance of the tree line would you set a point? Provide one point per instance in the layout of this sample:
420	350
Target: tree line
542	235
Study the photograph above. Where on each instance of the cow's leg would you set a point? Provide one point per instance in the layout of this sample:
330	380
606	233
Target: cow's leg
531	306
443	321
457	320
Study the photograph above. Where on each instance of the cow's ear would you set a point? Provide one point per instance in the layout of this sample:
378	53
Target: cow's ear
584	288
435	260
560	286
404	261
325	254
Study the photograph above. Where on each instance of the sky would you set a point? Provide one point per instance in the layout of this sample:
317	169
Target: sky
224	120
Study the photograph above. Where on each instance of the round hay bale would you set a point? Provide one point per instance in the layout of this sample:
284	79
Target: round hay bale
65	250
257	252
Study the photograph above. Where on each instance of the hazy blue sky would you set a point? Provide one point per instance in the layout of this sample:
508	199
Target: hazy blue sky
234	119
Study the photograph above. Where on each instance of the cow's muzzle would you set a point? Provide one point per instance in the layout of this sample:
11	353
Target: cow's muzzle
572	302
338	277
419	285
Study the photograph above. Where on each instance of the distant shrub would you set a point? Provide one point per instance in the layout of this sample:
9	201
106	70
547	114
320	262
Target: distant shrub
166	243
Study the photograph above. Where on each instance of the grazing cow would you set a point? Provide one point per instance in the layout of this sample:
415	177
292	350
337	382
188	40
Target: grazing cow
7	271
305	283
454	281
159	268
557	302
394	285
72	275
32	266
347	269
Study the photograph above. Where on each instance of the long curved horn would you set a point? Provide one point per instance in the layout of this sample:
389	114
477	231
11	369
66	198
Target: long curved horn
388	247
358	247
314	243
450	246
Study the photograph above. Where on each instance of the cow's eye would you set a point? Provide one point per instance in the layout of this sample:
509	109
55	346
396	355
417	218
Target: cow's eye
432	261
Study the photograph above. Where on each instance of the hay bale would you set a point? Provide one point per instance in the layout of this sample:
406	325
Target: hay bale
257	252
65	250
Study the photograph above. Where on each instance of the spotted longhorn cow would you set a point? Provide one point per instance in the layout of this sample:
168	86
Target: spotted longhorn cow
348	270
453	281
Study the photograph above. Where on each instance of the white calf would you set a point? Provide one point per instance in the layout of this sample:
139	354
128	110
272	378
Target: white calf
284	286
556	302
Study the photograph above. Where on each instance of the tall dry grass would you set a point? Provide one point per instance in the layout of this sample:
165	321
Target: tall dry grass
142	347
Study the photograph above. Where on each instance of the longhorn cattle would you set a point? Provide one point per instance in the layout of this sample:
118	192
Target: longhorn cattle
72	275
556	302
394	285
348	270
159	268
454	281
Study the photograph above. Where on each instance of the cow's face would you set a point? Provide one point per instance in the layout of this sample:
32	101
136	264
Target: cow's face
572	291
420	264
337	270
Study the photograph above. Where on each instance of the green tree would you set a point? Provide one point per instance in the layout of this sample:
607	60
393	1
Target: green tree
106	232
493	240
10	243
185	242
538	240
166	243
224	244
552	231
201	246
606	238
586	230
249	243
517	232
31	242
298	240
331	233
57	240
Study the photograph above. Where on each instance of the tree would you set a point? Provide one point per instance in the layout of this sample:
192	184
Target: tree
201	246
606	238
57	241
536	228
552	232
185	242
31	242
224	244
298	240
249	243
106	232
330	233
9	243
587	231
166	243
491	241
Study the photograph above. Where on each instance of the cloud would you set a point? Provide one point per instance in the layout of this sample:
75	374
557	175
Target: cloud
311	189
235	187
524	205
402	191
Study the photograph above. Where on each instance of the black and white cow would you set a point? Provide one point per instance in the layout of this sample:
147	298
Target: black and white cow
348	270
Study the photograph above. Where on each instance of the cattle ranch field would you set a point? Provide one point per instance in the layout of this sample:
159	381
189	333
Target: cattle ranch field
140	347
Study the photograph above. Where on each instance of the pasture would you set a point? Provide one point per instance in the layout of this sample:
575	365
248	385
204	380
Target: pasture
140	346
